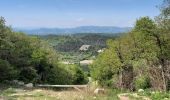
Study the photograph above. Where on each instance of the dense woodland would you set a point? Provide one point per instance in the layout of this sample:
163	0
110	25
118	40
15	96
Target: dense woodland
140	58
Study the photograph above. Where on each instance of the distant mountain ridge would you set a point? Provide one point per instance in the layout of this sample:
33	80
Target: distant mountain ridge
81	29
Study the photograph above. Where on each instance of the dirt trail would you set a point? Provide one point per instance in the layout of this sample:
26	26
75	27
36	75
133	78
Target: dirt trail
125	96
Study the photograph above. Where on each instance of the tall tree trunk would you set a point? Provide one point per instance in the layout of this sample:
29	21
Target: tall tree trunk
163	72
126	76
164	80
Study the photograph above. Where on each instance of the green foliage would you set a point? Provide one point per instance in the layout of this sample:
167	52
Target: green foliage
105	67
56	75
28	75
142	82
164	18
155	95
145	46
145	25
144	40
7	71
78	76
29	59
160	96
68	45
72	43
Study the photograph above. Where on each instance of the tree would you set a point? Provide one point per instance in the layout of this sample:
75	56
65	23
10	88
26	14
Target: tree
28	75
164	18
143	46
146	49
163	40
79	76
115	62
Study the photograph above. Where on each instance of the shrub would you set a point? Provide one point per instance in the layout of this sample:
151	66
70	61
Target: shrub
160	96
57	75
7	71
28	75
142	82
156	95
79	76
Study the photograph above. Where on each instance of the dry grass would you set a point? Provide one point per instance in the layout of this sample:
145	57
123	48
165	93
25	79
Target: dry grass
45	94
49	94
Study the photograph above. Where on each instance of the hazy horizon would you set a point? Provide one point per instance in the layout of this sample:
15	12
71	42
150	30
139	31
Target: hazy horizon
75	13
32	28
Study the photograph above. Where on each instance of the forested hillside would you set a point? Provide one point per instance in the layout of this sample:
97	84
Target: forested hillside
72	43
29	59
68	45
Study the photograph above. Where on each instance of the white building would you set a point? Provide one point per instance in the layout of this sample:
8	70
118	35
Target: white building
84	47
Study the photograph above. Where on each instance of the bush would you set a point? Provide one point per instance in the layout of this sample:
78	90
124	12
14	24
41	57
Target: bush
28	75
79	76
156	95
7	71
57	75
160	96
142	82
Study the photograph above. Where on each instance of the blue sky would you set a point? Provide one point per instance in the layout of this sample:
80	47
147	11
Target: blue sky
72	13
